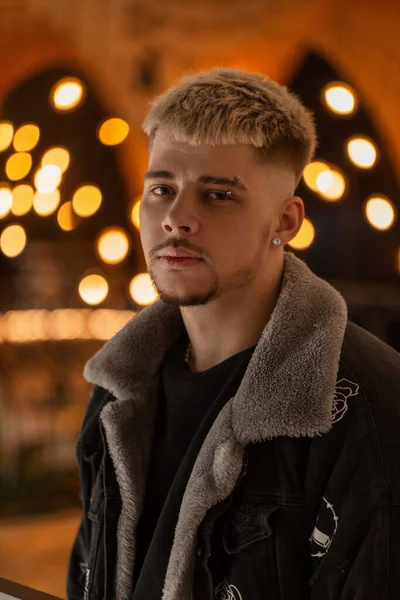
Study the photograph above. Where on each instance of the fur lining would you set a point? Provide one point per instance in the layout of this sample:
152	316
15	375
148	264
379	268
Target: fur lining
287	390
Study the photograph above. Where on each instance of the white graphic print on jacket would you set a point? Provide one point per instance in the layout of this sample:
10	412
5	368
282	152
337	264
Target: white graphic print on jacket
226	591
327	522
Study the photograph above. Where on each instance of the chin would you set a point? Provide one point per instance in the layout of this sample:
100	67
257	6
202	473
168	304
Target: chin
185	297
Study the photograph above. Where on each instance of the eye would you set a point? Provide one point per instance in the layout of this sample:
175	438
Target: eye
220	195
161	190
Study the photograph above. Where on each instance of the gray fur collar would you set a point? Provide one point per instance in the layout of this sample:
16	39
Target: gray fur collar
287	390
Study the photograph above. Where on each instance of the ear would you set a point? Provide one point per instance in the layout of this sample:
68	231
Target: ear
290	219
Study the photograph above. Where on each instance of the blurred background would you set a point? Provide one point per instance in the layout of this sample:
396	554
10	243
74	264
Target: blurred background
76	80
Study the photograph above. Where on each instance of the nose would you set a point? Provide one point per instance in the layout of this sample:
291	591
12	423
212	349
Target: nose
181	218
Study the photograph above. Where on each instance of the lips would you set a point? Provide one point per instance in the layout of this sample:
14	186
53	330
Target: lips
180	253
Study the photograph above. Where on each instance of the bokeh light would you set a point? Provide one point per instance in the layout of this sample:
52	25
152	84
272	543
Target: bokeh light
26	137
48	178
113	245
67	94
86	200
113	131
58	156
22	199
380	212
362	152
18	166
13	240
331	185
141	289
46	204
6	134
312	171
135	214
6	200
66	217
305	236
93	289
340	98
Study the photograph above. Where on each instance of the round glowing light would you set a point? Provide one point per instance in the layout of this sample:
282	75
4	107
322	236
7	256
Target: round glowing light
340	98
57	156
13	240
46	204
48	178
86	200
331	185
18	166
362	152
141	290
305	236
26	137
113	131
6	200
311	173
6	134
66	217
113	245
93	289
22	199
135	214
67	94
380	212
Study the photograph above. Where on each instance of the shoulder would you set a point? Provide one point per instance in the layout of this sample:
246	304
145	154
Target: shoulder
375	364
375	368
90	432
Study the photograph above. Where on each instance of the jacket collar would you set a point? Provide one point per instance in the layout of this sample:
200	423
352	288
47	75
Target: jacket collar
288	390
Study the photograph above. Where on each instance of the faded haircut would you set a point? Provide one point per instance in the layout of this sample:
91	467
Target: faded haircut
231	106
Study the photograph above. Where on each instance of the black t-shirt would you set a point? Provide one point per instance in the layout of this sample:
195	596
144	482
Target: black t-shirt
185	400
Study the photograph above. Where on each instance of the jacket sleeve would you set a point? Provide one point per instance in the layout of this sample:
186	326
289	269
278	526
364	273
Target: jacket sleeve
354	538
78	562
88	458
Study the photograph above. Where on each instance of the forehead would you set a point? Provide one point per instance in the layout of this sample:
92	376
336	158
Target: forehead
167	153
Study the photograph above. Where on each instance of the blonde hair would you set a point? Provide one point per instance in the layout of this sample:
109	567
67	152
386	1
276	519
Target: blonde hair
230	106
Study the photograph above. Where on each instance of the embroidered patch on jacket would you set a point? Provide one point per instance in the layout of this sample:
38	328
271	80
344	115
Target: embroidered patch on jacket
324	530
227	591
343	391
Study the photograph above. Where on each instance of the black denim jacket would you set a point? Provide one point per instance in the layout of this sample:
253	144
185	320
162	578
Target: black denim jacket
310	518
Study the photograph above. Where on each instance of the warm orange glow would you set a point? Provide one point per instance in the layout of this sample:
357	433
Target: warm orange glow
113	245
57	156
22	199
6	200
87	200
380	212
113	131
305	237
362	152
93	289
66	217
6	134
135	214
18	166
340	98
312	171
67	94
48	178
331	185
13	240
26	137
45	204
141	290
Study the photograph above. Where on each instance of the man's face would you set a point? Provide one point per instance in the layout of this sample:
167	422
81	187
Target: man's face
187	209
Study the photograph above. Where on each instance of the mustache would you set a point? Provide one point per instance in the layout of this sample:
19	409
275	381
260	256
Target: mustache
177	243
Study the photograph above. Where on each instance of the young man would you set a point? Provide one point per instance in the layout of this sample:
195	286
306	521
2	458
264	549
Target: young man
242	440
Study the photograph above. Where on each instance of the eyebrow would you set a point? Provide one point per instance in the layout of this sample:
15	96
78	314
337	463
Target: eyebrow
202	179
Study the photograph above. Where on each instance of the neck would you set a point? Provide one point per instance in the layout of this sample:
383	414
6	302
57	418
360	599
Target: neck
231	323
